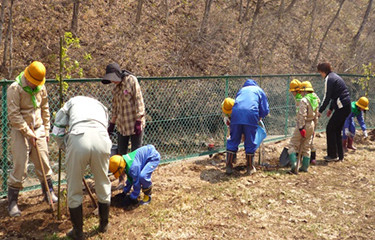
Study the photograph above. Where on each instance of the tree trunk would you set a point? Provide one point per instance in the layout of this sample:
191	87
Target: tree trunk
206	14
3	5
290	6
246	48
281	9
139	11
166	5
8	36
74	26
364	21
325	35
246	10
240	12
313	14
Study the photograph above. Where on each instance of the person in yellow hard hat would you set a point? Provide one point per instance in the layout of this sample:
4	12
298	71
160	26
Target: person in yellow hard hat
348	131
29	118
307	118
294	88
226	107
138	167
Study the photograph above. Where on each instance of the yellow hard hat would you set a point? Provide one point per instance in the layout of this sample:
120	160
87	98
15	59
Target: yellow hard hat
294	85
306	87
362	103
36	73
227	105
117	165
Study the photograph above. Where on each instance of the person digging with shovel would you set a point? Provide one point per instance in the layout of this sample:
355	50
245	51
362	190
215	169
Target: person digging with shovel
307	118
29	118
348	131
250	106
86	142
138	167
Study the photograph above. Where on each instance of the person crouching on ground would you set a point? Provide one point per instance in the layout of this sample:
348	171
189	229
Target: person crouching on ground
87	143
349	125
307	118
251	105
138	167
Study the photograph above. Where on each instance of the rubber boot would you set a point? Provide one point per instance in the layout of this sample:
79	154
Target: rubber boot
12	202
305	164
350	144
229	162
345	145
313	157
50	186
103	217
76	216
147	196
293	162
250	169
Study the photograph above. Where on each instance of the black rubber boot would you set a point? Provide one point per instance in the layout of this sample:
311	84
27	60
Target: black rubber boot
12	202
103	216
229	162
50	186
250	169
76	216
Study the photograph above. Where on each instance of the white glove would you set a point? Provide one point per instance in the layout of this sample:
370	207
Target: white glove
347	132
365	134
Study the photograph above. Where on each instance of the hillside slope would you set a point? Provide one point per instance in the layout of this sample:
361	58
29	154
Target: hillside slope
277	41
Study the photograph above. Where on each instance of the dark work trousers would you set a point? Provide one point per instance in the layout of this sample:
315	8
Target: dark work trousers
333	131
123	142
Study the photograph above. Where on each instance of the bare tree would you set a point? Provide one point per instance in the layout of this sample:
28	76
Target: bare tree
206	14
326	33
139	11
74	26
240	12
246	11
3	5
364	21
8	37
313	15
166	6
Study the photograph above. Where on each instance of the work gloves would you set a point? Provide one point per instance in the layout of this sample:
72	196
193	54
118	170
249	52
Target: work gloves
111	128
226	121
365	134
302	131
138	127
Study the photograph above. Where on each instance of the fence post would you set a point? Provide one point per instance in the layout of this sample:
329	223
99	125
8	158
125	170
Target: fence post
4	138
225	126
287	107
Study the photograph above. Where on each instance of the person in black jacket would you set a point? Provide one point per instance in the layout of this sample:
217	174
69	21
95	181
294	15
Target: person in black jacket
337	94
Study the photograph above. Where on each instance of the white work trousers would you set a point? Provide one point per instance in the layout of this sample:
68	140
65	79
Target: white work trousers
87	146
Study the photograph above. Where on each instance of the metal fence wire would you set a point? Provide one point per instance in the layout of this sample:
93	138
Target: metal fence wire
183	114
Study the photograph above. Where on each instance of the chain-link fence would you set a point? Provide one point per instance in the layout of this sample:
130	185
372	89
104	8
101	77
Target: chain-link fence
183	113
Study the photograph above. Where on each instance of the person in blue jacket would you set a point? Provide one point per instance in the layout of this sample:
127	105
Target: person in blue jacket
138	167
250	106
348	132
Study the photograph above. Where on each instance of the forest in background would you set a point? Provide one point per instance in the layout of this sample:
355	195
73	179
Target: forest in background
188	37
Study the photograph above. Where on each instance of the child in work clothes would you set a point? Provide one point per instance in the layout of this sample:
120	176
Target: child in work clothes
349	125
138	167
307	118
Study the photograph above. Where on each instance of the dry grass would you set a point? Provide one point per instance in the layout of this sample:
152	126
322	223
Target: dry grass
194	199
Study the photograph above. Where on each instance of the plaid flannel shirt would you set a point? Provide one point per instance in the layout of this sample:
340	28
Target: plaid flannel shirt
128	105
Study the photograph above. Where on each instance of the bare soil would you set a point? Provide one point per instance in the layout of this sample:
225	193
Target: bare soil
195	199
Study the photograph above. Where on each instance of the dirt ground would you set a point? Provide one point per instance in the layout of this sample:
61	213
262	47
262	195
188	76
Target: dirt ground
195	199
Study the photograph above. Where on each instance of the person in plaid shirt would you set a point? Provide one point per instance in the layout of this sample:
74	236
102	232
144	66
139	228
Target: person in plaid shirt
128	109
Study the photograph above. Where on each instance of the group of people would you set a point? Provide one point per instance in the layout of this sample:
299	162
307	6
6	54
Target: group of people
82	127
242	116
